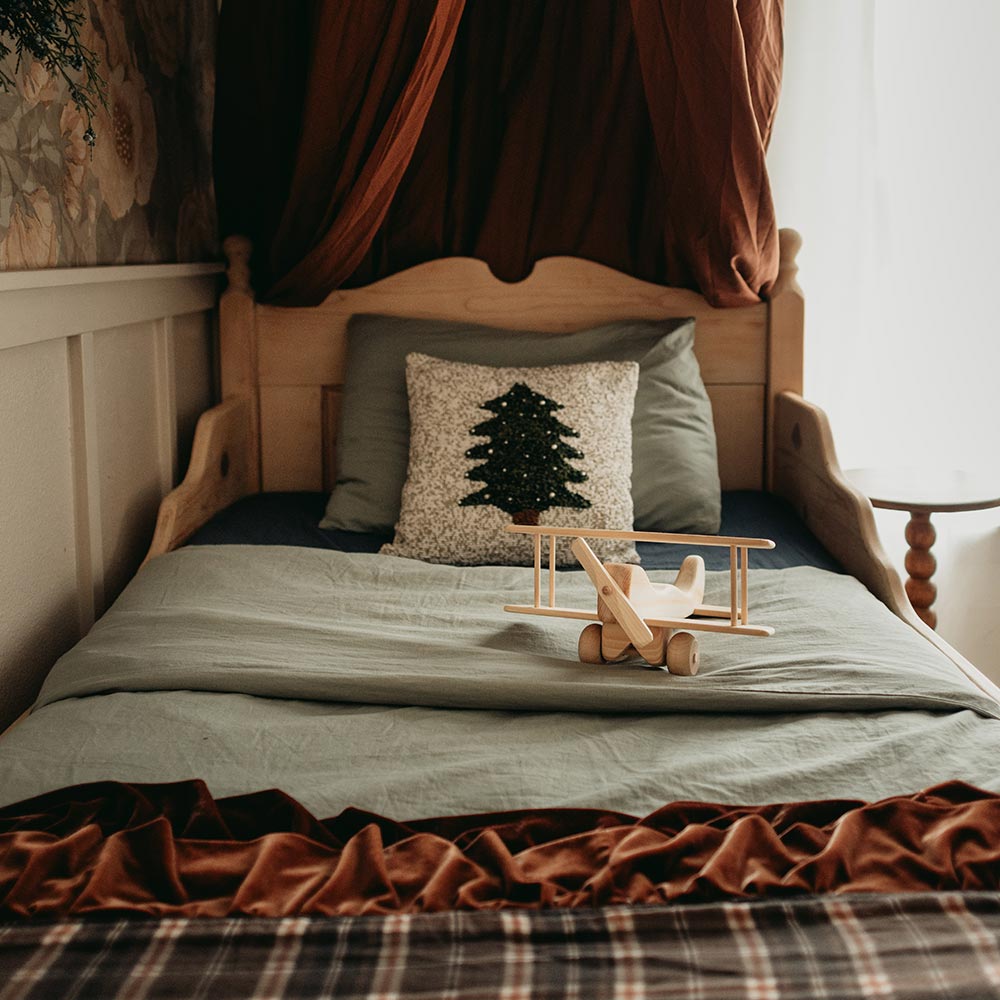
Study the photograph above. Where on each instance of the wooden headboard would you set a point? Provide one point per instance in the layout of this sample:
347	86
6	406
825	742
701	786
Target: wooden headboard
288	363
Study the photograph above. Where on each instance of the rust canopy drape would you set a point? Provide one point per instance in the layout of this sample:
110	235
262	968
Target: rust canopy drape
355	138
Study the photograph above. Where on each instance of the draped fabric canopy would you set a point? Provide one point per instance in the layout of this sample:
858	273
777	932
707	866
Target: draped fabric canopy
355	138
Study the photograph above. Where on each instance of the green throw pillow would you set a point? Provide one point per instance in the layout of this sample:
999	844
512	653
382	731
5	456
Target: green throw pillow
675	475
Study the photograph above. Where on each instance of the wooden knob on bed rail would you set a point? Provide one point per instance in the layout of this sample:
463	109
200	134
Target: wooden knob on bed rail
789	245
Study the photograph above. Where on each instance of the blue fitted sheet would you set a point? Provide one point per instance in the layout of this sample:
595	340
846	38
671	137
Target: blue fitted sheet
293	519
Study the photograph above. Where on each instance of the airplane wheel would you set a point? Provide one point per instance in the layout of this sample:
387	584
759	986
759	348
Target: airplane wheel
589	646
682	654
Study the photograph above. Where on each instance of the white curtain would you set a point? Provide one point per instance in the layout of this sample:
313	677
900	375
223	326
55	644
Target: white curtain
886	157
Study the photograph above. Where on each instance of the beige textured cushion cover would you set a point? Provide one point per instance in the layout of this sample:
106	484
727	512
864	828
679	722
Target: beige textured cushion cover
446	401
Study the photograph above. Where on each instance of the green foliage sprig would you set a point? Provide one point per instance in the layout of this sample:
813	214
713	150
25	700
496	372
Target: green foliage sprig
49	31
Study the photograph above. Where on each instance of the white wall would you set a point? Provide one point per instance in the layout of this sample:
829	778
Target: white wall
96	423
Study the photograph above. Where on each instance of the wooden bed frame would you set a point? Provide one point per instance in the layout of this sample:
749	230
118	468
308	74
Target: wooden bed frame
282	369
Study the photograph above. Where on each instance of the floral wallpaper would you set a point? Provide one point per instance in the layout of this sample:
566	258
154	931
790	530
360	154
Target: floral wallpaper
145	193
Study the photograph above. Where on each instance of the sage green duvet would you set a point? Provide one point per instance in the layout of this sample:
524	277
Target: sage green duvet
403	688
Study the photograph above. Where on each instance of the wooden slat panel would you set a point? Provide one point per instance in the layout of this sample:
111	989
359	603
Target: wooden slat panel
730	354
302	347
739	428
291	438
306	346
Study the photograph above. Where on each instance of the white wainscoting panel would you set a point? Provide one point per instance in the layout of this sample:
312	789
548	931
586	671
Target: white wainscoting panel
95	428
194	376
129	447
39	613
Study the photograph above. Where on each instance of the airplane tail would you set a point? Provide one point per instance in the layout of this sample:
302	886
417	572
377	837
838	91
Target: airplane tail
691	578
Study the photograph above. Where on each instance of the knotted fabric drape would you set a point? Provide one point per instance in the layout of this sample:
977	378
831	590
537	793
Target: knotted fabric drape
355	138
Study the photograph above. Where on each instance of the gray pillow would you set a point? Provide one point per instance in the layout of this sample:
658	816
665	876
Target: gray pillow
675	474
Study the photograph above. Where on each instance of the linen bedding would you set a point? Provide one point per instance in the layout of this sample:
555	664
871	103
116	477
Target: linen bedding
400	687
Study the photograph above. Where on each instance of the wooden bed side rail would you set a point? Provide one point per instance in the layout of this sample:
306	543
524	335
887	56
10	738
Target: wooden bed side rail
223	469
808	475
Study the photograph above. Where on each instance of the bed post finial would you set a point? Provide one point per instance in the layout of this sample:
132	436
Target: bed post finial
789	244
238	250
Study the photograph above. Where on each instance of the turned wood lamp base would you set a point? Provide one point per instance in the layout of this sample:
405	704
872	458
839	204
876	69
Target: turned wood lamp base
922	493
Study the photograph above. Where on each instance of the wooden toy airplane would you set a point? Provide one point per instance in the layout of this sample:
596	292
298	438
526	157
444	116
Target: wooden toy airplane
635	615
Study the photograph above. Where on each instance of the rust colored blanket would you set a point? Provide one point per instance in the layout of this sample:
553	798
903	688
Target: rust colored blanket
173	849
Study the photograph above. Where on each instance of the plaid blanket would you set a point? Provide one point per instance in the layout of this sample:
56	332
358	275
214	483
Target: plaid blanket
908	946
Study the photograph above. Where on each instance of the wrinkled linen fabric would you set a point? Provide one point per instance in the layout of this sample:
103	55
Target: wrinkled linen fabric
400	687
381	630
174	850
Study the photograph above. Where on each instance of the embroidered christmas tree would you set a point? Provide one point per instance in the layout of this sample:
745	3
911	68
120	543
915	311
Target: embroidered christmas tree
526	463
